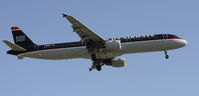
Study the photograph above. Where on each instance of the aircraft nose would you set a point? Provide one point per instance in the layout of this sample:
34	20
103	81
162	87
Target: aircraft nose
183	43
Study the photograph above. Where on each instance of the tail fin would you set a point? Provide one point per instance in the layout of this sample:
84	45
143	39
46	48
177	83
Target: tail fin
20	38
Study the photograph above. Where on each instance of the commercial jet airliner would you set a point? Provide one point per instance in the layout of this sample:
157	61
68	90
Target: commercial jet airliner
91	46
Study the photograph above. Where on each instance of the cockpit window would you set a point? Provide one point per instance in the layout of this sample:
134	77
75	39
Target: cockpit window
170	36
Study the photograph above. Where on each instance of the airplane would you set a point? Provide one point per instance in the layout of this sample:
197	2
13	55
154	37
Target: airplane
91	46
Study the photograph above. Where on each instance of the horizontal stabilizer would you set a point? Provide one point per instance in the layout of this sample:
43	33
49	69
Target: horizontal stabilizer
14	46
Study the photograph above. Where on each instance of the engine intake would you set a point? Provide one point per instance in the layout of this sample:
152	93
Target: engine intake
118	62
113	44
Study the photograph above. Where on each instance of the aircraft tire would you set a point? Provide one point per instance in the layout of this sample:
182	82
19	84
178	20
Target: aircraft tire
98	67
167	56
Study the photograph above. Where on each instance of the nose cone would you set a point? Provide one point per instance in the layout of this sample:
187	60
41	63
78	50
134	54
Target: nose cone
183	42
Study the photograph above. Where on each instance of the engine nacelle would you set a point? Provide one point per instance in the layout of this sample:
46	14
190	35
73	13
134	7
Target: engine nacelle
118	62
113	44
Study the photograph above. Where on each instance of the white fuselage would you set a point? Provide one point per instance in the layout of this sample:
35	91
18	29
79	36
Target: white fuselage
126	48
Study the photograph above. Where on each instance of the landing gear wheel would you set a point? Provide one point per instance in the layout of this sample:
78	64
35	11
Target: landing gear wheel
167	56
99	67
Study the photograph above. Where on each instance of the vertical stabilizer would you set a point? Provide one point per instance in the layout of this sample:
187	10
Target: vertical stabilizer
20	38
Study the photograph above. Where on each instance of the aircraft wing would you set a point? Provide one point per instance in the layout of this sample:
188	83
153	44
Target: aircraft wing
91	38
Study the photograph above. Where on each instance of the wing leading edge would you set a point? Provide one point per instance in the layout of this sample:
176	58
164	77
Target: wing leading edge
92	39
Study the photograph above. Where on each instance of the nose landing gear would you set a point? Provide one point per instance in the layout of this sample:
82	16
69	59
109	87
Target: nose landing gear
166	55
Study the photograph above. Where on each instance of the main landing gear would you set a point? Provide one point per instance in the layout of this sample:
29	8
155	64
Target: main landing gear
97	63
99	67
166	55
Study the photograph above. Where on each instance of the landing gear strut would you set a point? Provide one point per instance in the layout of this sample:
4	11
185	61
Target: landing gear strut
96	65
166	55
93	56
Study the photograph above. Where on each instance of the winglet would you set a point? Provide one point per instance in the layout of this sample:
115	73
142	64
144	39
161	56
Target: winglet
15	28
64	15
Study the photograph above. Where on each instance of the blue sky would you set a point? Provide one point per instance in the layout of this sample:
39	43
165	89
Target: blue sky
146	74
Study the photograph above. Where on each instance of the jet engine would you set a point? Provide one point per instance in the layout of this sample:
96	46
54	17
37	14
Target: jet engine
113	44
118	62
